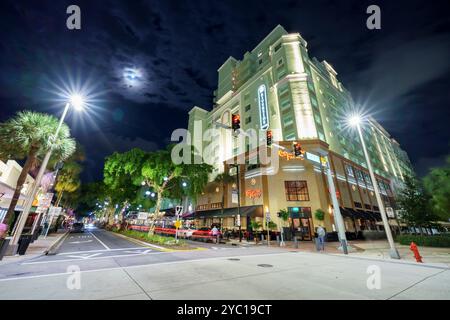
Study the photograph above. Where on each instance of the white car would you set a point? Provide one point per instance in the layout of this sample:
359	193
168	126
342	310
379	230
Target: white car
186	232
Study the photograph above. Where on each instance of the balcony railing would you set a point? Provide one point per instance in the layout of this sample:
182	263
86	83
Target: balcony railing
208	206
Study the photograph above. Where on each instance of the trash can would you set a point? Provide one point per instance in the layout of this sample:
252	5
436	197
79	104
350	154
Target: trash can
24	242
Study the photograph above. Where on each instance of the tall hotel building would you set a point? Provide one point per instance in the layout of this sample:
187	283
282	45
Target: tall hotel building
307	103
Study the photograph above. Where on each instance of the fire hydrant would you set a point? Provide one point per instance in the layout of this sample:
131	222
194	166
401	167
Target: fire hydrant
415	250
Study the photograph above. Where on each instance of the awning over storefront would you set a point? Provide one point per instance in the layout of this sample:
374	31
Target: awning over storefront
360	214
252	211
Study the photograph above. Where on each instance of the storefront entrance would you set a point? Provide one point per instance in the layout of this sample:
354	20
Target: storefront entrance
301	222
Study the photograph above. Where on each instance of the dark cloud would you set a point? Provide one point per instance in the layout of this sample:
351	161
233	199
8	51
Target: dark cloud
401	72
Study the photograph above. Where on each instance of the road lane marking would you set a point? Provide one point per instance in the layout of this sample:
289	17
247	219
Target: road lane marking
99	250
107	248
89	259
78	242
86	256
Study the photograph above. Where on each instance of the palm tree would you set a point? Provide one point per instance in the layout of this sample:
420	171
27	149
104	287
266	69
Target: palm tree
223	179
29	135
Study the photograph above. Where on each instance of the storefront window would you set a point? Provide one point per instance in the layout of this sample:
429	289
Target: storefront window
296	191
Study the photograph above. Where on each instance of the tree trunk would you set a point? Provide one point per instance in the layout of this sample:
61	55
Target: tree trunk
31	158
156	213
58	200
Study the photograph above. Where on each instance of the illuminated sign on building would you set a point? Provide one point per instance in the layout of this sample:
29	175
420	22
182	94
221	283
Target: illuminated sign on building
263	107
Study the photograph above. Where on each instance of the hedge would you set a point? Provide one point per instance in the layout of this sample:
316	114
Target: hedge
442	241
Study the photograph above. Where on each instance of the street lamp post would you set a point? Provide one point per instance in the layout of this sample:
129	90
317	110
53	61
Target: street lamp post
76	101
337	212
355	121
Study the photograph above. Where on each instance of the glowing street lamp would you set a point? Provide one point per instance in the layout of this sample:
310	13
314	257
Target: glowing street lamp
356	121
76	101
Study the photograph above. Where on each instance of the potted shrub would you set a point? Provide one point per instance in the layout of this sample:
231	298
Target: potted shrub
284	216
255	225
319	214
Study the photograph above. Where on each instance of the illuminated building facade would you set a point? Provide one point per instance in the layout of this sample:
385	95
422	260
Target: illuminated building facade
279	87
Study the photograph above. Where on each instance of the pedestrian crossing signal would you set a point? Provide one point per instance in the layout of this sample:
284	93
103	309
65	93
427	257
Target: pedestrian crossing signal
269	137
297	149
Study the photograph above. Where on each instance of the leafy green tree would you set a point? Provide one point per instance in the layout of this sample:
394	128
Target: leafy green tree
122	176
165	177
415	203
30	135
437	184
68	178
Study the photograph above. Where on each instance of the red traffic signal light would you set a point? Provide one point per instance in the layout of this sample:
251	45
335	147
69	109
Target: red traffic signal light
297	149
236	121
269	137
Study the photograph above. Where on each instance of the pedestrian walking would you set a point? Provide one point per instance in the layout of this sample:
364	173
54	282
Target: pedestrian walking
215	233
321	233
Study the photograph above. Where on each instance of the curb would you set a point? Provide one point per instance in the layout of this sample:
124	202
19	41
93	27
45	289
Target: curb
52	250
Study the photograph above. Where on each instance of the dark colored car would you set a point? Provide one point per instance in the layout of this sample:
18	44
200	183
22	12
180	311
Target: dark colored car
77	227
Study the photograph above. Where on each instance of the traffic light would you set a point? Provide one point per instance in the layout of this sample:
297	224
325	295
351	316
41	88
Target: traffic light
236	121
269	137
297	149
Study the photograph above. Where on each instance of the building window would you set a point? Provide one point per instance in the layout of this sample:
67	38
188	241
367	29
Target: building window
288	120
296	191
285	104
260	61
247	108
280	62
358	205
278	47
248	120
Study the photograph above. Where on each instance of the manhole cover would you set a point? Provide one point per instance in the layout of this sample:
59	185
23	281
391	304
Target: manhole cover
234	259
265	265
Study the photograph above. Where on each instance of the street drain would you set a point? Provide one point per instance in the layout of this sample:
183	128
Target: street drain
234	259
265	265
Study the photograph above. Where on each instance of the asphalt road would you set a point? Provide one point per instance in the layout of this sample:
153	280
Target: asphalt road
101	265
97	249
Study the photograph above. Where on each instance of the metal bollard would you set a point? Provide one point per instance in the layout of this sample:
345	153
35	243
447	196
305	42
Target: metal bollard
262	237
278	239
296	242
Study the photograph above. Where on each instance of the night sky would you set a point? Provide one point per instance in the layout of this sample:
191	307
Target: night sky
147	63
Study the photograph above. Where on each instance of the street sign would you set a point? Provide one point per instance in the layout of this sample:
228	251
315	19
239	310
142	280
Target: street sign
267	216
178	210
390	212
238	220
234	196
177	224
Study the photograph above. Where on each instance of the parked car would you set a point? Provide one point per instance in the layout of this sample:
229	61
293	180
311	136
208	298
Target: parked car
186	232
77	227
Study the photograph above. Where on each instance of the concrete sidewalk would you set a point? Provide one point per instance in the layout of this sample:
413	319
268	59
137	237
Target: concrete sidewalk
37	248
378	249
